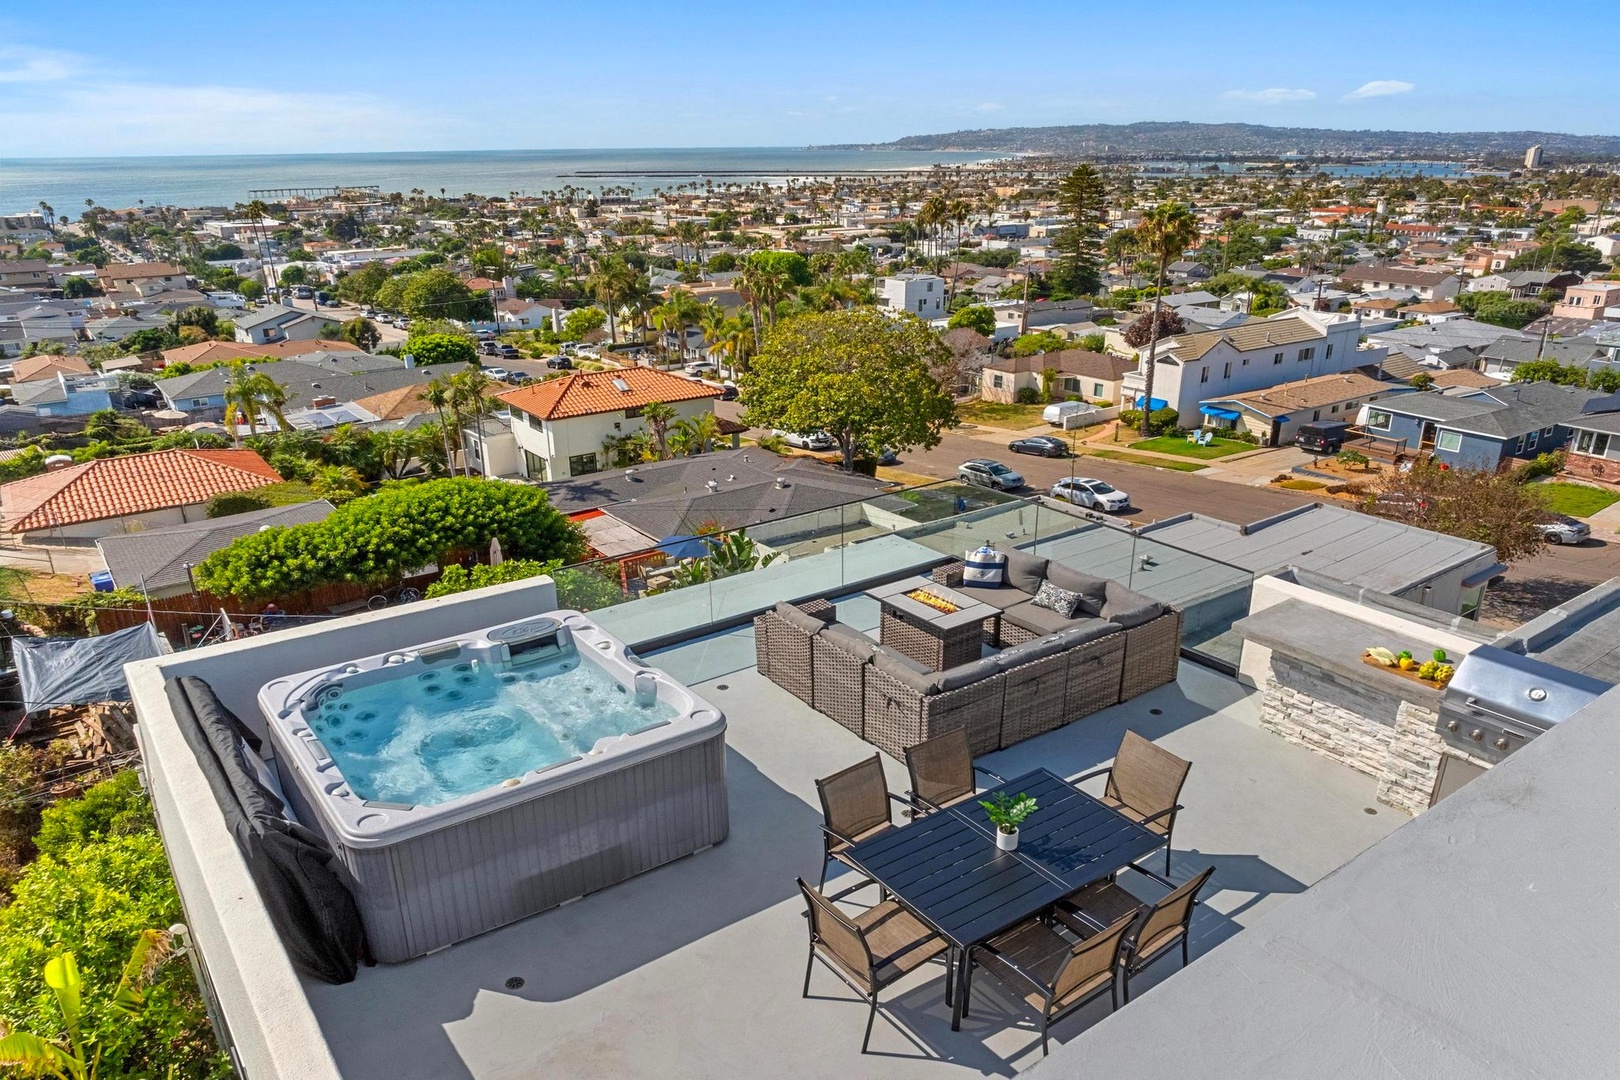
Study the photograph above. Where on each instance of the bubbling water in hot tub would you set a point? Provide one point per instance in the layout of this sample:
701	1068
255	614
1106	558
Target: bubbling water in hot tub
428	737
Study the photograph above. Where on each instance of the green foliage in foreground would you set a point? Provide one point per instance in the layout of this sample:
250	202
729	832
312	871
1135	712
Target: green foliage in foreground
460	579
380	539
103	882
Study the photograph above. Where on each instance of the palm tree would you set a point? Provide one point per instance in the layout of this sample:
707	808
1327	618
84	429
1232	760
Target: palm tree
469	391
260	211
610	283
1166	232
249	396
439	393
678	312
658	416
765	287
712	320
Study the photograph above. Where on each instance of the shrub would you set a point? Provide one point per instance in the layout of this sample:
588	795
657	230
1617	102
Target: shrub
431	349
236	502
77	617
460	579
1130	418
1162	421
1550	464
116	807
586	588
1028	395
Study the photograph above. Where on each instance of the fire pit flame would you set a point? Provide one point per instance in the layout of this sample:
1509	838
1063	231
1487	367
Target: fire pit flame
938	603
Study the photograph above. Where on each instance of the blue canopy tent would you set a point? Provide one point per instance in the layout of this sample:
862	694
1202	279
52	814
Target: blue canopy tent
1155	405
685	547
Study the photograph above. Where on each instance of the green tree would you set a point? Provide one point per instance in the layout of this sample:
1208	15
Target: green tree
1549	370
361	286
1165	234
1421	381
610	284
1042	341
862	376
581	321
77	288
297	275
251	289
434	349
250	396
676	313
361	332
152	340
1083	200
978	317
439	294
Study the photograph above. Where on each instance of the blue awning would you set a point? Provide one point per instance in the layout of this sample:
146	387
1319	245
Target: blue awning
1157	404
1218	412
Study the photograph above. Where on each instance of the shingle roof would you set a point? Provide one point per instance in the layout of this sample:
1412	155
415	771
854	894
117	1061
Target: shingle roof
47	367
1396	275
347	376
1082	362
586	393
1505	412
157	559
1309	393
134	271
134	484
395	404
1246	337
206	352
270	313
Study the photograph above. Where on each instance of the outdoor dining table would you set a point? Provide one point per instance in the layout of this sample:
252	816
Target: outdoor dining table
947	869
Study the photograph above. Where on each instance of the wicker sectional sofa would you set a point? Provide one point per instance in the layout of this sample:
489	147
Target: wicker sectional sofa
1037	683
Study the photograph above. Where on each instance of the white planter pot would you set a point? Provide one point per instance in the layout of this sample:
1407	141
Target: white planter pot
1007	841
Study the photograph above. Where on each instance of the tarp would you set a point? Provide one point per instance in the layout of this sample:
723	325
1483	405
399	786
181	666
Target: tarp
1158	403
78	671
1218	412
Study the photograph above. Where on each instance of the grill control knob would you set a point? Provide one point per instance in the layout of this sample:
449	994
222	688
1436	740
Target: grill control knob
1452	725
1501	744
1476	735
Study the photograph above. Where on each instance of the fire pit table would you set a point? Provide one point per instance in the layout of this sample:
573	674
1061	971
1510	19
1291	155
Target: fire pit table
930	623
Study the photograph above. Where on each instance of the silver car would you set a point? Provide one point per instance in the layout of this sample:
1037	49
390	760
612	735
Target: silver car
1563	529
990	474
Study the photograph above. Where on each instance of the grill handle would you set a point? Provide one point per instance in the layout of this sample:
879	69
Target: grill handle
1474	704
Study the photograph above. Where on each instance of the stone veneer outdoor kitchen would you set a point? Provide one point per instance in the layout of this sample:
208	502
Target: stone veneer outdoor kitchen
1305	658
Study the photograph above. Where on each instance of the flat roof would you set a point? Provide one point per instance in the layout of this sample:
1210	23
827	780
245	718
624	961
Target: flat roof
1479	940
1355	548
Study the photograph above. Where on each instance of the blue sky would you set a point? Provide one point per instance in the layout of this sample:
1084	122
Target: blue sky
96	78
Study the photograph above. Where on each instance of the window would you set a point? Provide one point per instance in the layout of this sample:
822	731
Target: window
199	403
534	465
1546	432
1327	354
1531	443
1378	418
632	412
995	381
580	464
1227	374
1245	361
1316	414
1448	440
930	286
1097	389
1592	442
1518	447
1203	373
1334	409
922	305
1277	359
1306	354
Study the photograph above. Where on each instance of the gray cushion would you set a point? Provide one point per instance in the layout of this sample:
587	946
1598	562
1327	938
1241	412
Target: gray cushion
1030	651
800	620
965	674
1129	608
995	596
1025	572
1093	590
1083	630
846	638
1058	599
1037	620
904	669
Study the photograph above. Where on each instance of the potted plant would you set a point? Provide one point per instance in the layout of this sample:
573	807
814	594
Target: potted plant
1006	813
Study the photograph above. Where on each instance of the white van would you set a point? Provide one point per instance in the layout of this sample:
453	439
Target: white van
1058	412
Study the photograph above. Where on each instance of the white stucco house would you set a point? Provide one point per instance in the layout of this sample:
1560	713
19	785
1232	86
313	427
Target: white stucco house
921	294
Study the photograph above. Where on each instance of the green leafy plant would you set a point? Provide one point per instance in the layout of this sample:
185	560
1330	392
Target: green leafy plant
460	579
1007	812
72	1055
1354	459
736	553
586	588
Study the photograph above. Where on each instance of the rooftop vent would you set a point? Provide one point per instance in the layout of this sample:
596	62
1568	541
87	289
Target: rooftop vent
713	485
781	482
621	386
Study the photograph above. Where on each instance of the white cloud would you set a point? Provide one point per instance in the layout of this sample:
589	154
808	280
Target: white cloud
25	65
989	107
1379	88
1274	96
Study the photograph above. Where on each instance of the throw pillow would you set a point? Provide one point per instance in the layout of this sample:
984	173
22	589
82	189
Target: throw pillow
1058	599
1025	572
985	567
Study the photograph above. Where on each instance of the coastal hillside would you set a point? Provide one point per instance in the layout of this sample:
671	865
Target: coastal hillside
1183	138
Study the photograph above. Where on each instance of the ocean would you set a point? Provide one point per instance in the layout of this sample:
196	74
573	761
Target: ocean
116	183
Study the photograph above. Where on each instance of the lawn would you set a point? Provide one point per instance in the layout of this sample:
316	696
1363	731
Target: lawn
1576	500
1138	459
1302	485
997	414
1179	446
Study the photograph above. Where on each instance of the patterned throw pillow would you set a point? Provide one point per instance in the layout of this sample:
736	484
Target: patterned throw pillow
1057	599
984	567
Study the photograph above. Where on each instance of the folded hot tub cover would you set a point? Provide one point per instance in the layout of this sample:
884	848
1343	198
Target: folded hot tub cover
308	902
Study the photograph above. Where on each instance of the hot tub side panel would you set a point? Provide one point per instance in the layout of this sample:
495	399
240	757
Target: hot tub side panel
441	887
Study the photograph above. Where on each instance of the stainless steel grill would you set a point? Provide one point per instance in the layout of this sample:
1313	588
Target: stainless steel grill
1499	700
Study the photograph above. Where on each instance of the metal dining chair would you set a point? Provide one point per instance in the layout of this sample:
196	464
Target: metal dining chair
1144	783
1156	928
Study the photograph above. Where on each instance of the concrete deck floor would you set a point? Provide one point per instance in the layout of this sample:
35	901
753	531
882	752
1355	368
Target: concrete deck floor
694	969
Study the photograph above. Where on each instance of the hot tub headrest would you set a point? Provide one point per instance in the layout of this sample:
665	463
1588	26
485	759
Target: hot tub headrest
311	907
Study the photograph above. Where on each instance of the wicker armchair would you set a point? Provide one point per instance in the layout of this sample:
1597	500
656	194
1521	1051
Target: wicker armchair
1052	974
1157	929
1144	783
871	950
784	652
854	807
1152	654
942	771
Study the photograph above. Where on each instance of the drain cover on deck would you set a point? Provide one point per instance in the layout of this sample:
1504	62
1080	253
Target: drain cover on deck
514	983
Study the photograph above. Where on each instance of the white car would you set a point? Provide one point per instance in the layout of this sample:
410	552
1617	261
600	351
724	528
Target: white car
814	440
1085	491
496	372
700	367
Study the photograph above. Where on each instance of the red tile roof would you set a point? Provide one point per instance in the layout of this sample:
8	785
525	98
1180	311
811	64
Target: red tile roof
136	484
586	393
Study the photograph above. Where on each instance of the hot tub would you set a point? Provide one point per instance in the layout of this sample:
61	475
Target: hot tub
473	781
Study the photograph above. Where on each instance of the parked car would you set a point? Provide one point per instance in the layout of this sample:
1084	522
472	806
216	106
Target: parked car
1326	437
496	372
814	440
728	392
559	363
700	367
488	348
507	352
1563	529
1040	446
1089	492
303	292
518	378
990	474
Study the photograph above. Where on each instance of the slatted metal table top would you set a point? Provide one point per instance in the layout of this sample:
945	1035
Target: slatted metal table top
947	868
